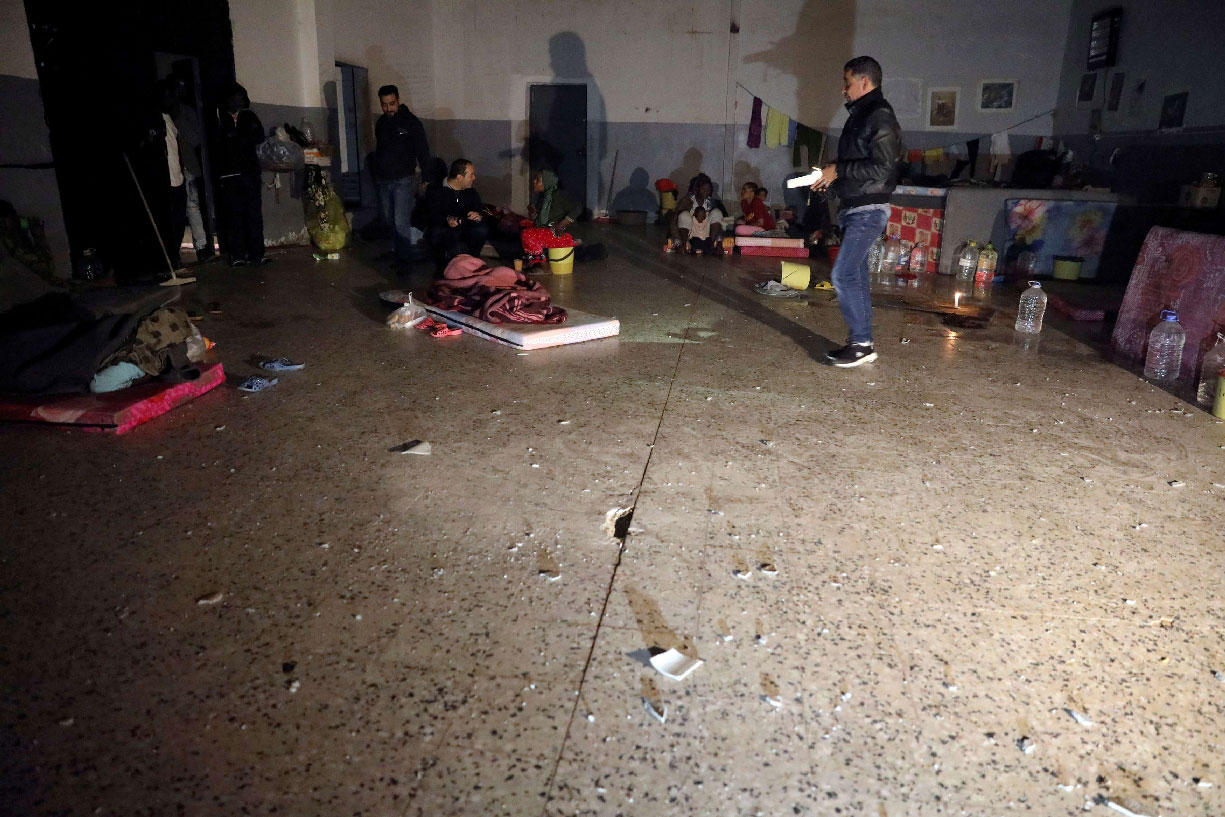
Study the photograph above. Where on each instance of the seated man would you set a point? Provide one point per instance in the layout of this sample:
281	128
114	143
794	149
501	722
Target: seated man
457	225
701	194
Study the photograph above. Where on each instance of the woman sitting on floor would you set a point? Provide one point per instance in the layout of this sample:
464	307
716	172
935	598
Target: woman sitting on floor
756	216
552	211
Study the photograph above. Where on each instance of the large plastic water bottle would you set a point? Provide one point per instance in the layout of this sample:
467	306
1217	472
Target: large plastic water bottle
874	255
1214	361
893	253
1165	348
967	261
1031	309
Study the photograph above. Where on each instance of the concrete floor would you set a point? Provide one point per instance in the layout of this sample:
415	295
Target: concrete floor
973	536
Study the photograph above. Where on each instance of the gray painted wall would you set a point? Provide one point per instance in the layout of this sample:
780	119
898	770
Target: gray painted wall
284	216
24	140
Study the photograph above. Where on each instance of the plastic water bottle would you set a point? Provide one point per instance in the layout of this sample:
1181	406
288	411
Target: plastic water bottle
918	259
1165	348
893	253
875	254
1031	309
1214	361
967	261
985	268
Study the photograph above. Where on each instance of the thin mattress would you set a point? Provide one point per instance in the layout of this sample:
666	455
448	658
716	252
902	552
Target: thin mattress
579	326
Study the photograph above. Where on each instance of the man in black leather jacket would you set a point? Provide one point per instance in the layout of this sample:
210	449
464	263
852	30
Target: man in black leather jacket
863	177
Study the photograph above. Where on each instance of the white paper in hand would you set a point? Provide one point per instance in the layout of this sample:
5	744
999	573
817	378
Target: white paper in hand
806	181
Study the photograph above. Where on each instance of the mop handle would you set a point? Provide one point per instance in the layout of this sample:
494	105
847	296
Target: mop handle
152	221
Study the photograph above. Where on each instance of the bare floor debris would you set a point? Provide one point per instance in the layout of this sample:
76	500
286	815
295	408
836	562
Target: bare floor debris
675	664
1102	800
740	573
413	447
1025	745
768	568
617	522
549	574
1083	720
655	709
1177	483
211	598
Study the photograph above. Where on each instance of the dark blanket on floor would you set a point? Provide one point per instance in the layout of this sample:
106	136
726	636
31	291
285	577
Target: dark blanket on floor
56	344
497	294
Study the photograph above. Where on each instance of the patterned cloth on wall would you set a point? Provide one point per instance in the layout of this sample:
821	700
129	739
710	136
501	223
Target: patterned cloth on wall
1180	271
1049	228
918	225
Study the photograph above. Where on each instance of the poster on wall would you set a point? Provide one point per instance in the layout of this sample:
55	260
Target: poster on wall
1173	111
942	108
997	95
905	95
1115	95
1088	88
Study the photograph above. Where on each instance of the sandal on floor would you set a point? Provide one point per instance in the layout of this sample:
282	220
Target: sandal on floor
282	364
256	383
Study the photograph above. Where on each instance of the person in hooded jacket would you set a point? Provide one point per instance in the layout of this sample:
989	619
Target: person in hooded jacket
401	158
552	211
241	196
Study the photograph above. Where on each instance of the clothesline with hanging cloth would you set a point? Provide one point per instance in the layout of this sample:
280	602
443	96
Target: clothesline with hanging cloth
780	130
1000	149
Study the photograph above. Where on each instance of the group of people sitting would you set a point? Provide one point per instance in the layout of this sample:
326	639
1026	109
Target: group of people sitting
441	218
695	226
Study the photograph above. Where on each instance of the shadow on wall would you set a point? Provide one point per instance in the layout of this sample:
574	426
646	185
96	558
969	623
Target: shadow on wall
547	147
638	195
814	54
691	165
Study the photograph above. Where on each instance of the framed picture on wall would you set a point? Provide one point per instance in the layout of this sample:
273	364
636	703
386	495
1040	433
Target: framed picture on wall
1088	88
1173	111
1115	95
997	95
942	108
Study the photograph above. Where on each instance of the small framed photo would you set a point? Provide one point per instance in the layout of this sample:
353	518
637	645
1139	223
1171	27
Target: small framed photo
997	95
1173	111
1088	88
1114	95
942	108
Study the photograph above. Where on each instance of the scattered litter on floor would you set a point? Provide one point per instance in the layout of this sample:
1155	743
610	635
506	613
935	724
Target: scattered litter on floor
713	512
1130	602
256	383
929	405
412	447
1220	676
294	686
675	664
438	571
282	364
724	632
777	703
220	428
1177	483
1078	717
657	711
1141	526
549	574
905	341
590	718
214	307
768	568
761	639
613	525
68	721
1026	745
742	574
778	290
1101	800
563	422
211	598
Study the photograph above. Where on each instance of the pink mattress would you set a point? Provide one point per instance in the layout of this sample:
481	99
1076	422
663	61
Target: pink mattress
117	411
776	252
754	241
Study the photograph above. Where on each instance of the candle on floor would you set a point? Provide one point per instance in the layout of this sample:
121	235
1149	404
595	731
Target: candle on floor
956	300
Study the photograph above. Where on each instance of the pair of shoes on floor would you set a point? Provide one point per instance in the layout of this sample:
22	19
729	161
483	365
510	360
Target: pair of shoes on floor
242	262
853	354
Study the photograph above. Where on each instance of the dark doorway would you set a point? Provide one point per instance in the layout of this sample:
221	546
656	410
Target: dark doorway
96	68
557	134
355	129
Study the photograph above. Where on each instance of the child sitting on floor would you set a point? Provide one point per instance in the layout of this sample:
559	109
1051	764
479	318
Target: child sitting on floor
699	233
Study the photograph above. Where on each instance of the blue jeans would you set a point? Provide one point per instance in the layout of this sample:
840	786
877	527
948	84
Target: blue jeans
396	201
850	274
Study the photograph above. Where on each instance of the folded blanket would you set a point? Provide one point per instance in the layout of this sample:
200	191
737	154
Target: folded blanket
494	294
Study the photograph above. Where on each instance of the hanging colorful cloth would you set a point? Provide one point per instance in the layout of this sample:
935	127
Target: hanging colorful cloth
776	128
814	140
755	125
792	126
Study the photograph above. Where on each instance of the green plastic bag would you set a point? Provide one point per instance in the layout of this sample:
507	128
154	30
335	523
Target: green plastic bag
326	222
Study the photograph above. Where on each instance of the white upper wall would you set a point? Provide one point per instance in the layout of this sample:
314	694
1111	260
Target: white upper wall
276	51
16	55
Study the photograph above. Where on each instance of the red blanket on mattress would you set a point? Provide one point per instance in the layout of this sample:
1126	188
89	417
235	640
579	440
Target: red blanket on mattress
494	294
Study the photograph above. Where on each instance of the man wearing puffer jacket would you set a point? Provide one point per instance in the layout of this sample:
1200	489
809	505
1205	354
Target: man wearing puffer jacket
863	177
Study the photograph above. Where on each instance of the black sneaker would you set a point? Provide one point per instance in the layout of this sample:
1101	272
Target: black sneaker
852	354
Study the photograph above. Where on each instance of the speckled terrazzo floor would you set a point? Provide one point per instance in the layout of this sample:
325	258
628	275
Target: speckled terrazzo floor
972	535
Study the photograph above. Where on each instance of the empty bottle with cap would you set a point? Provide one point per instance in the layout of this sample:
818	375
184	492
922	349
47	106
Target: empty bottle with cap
1165	344
1031	309
967	261
874	255
1214	361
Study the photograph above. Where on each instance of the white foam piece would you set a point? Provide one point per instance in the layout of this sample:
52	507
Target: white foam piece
675	664
805	181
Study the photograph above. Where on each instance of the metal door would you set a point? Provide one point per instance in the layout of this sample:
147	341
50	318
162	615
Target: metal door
557	140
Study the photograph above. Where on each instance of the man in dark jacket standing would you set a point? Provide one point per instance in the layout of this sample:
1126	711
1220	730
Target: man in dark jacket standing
239	134
401	154
863	177
456	221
